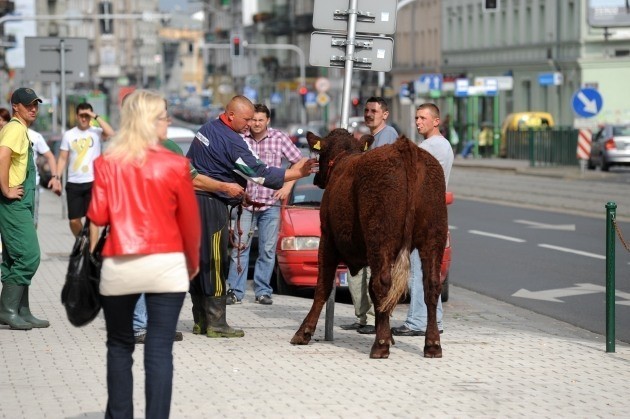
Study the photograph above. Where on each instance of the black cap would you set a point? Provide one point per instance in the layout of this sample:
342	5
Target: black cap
25	96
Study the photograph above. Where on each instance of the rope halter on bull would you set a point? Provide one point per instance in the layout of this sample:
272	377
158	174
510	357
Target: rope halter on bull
239	245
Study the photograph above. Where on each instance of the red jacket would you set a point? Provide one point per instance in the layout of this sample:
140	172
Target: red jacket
150	208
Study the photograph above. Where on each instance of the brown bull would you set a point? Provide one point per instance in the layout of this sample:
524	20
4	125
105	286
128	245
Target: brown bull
377	207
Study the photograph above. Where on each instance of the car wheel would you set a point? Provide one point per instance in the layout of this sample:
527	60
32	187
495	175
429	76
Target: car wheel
445	289
281	286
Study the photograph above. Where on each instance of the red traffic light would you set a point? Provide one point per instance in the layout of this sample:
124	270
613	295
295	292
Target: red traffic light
303	90
355	101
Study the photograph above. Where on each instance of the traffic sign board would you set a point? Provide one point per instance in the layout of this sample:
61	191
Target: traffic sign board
323	99
433	81
322	84
550	79
371	52
461	87
587	102
374	16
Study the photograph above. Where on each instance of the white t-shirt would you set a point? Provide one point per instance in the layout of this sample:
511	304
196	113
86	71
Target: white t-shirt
83	148
441	149
39	147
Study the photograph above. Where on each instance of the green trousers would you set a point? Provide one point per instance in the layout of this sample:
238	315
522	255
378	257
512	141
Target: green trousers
20	246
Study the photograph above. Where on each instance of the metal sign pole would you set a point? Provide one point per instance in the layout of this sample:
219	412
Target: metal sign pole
62	54
347	80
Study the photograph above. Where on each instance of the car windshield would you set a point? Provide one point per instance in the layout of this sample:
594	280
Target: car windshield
304	193
621	131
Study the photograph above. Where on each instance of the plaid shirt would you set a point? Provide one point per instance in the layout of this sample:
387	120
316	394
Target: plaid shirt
271	149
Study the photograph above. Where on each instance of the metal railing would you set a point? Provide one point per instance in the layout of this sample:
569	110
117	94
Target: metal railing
549	147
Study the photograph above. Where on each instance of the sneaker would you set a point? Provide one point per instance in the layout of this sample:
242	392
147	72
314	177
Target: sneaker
264	299
231	298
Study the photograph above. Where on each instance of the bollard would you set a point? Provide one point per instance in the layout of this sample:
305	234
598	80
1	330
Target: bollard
610	277
330	315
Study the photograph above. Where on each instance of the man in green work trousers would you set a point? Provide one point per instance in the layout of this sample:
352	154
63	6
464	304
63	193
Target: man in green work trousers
20	247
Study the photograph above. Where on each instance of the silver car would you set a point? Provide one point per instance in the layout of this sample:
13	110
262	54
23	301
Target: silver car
610	147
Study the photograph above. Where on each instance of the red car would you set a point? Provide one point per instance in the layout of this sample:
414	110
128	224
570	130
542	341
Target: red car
298	241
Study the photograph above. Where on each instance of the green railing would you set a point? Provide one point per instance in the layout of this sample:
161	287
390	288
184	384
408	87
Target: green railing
550	147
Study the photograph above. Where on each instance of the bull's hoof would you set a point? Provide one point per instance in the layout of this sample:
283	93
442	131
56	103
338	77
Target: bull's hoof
301	338
379	351
432	349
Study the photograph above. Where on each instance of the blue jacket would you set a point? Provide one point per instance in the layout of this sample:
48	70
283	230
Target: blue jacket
222	154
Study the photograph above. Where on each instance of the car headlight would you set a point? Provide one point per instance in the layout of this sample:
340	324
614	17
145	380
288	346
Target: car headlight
299	243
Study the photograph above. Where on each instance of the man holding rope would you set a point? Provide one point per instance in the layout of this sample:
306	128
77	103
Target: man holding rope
270	145
219	152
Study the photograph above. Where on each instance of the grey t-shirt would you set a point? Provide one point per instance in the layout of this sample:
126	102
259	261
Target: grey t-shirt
387	135
441	149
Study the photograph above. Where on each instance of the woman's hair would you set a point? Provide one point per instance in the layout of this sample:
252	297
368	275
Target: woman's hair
139	114
5	114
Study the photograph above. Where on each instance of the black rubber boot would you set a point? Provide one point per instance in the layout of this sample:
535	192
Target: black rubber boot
215	317
25	312
10	307
199	314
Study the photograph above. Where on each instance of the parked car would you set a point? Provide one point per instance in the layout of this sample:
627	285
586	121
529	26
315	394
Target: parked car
610	147
297	133
182	136
298	241
520	121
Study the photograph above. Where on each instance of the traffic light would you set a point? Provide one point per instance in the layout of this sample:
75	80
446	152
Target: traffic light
411	88
490	5
236	46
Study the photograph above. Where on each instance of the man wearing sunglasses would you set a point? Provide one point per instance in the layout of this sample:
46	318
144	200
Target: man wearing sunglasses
80	146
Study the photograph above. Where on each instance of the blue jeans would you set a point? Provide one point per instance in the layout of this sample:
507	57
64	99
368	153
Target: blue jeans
267	222
417	314
140	317
163	310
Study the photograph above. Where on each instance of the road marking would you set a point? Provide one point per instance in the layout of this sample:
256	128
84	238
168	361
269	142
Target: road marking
553	295
534	224
496	236
567	250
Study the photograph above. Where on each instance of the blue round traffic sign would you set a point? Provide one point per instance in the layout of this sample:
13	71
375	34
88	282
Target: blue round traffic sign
587	102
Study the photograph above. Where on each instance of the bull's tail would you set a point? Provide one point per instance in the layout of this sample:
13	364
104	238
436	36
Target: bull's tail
400	270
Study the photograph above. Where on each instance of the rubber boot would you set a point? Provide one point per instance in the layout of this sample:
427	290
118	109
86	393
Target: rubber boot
215	317
199	314
10	307
25	312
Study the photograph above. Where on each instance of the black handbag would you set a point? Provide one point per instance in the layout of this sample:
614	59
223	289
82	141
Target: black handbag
80	295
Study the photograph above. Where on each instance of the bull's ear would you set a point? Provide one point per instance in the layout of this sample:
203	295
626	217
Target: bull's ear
366	141
314	142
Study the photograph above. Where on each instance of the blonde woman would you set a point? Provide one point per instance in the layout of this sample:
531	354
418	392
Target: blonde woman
144	193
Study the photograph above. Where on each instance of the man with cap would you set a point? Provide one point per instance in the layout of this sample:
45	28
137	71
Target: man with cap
20	247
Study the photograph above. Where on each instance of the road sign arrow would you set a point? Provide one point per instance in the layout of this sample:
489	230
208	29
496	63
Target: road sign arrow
590	105
554	294
534	224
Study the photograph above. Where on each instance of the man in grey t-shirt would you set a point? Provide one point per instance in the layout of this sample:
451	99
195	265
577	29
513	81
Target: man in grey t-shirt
427	122
375	115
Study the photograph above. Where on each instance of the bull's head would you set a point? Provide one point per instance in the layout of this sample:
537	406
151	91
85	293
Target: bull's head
338	143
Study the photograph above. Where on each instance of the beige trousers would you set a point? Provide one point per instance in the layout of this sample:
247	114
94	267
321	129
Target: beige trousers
358	286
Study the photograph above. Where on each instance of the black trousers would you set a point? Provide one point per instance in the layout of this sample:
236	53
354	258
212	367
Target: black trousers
214	262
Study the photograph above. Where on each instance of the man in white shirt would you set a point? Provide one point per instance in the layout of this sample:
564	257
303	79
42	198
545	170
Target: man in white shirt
428	124
80	146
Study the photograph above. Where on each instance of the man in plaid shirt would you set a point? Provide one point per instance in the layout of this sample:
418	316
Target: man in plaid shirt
270	145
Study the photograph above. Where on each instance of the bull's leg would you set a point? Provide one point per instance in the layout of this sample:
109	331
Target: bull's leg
325	282
380	283
432	290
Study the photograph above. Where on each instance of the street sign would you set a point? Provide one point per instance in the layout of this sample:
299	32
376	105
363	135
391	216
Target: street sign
461	87
433	81
503	82
371	52
276	98
491	86
323	99
322	84
374	16
587	102
310	100
550	79
43	59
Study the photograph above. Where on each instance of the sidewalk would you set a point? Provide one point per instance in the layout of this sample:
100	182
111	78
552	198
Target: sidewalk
499	361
